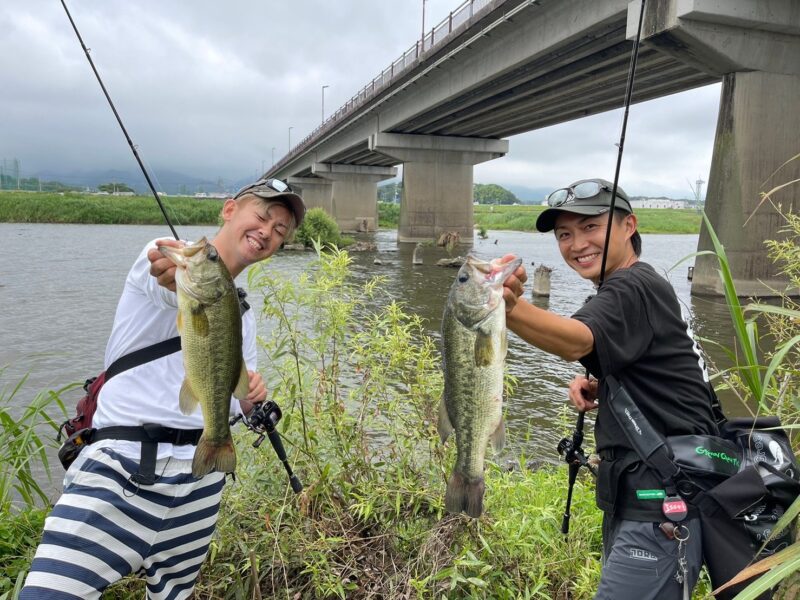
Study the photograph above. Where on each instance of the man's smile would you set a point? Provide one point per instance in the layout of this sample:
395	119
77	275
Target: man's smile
586	258
254	243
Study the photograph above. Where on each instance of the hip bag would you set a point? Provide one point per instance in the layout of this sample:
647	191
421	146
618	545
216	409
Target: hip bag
741	482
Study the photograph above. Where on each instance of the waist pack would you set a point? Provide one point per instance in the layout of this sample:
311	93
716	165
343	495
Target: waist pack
738	513
741	482
77	429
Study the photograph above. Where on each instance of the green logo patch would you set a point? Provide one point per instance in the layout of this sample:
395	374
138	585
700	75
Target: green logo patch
650	494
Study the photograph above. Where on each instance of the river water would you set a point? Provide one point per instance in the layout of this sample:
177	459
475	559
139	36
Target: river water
59	286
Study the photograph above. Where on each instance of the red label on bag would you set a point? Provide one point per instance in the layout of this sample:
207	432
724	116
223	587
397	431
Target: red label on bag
674	508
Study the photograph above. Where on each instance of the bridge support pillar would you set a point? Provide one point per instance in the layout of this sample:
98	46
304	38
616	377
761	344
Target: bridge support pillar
757	132
754	46
437	180
316	192
354	193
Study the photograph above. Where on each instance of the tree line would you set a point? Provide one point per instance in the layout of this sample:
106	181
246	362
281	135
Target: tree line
482	193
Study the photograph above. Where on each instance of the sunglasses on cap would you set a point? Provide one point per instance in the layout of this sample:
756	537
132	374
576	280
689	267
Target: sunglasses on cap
581	191
275	185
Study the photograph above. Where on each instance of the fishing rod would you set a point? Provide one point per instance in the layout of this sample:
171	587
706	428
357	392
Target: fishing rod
265	418
571	448
119	120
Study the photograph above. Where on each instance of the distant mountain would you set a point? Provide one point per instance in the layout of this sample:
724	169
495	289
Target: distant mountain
171	182
528	195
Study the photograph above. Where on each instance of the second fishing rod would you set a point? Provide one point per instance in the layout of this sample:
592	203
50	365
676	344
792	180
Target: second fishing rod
571	447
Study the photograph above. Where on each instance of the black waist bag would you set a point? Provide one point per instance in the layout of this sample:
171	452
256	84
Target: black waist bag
738	512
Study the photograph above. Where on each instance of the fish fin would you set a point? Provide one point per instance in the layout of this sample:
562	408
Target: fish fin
444	426
200	321
213	456
498	437
464	495
243	385
186	399
484	350
179	322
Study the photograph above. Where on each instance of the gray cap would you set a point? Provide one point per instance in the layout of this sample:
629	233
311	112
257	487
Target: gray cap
596	204
279	191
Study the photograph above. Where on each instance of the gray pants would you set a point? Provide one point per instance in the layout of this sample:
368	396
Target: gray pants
640	562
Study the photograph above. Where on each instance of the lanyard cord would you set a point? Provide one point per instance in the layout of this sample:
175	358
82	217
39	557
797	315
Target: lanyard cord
621	145
119	120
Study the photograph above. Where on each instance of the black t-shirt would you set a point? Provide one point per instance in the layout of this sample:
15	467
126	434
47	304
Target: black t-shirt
641	339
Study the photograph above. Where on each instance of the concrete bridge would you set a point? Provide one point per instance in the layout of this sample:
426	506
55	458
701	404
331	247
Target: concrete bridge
496	68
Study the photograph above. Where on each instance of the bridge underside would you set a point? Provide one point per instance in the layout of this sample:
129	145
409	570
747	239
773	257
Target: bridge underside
517	66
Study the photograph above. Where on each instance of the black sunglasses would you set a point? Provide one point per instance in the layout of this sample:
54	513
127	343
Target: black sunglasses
581	191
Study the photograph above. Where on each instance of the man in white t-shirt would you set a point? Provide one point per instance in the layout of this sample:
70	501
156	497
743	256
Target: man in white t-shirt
118	514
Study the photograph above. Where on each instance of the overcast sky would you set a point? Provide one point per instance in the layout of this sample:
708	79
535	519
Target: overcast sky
208	88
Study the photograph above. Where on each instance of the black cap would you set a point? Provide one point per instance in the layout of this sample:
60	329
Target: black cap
594	205
263	188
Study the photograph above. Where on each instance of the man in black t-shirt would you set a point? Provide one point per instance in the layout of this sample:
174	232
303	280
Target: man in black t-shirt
632	329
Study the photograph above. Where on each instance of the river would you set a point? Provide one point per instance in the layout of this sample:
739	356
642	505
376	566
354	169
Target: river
59	286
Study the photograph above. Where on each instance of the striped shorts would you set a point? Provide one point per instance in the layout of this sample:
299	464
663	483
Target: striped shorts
105	527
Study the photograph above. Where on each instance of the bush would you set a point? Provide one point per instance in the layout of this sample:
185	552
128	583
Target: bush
318	226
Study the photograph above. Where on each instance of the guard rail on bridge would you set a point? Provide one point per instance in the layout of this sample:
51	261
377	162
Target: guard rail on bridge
436	37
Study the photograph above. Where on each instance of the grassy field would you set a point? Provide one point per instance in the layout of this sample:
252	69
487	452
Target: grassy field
523	218
35	207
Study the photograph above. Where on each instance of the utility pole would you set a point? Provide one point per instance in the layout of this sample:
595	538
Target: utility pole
273	156
422	38
323	102
290	138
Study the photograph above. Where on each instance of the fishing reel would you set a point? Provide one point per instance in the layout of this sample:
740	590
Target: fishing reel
572	450
262	420
573	454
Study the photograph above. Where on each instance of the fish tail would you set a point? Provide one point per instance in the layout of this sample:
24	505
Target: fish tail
464	495
213	456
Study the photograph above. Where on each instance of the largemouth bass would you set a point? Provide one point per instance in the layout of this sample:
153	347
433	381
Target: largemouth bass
210	326
474	351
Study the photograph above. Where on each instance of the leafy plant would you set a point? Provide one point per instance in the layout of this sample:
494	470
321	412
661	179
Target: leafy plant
767	380
22	447
23	502
319	227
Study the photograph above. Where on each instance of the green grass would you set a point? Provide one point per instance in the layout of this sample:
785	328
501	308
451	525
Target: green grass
74	207
523	218
71	207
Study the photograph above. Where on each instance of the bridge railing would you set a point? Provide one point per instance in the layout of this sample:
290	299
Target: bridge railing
430	40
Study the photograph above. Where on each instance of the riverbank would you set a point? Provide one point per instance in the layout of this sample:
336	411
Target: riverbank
35	207
81	208
523	218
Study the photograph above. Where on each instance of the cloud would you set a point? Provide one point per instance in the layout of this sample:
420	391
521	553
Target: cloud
210	88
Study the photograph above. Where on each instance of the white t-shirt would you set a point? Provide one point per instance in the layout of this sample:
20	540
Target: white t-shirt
147	314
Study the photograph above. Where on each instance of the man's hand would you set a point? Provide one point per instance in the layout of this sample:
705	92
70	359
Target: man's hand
583	393
513	285
256	394
162	268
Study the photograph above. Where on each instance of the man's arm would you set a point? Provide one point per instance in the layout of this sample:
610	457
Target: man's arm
565	337
568	338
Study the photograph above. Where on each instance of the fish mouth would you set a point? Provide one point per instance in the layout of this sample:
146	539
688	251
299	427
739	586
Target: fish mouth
501	271
181	255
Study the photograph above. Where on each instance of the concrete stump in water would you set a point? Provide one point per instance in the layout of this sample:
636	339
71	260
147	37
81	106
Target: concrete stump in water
416	259
541	281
